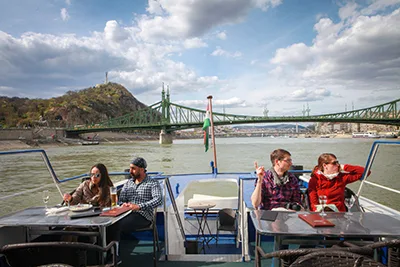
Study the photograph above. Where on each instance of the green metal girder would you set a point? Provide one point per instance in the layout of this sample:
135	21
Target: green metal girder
171	117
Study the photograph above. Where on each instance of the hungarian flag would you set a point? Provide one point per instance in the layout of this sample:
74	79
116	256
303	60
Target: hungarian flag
206	125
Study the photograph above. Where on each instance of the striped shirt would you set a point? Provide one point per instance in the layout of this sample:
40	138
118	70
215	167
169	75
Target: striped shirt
146	194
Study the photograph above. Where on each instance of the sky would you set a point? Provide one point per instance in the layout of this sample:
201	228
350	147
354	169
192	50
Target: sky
252	56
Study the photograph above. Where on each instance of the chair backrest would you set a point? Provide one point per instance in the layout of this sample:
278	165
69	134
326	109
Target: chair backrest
305	199
42	253
328	258
227	217
348	193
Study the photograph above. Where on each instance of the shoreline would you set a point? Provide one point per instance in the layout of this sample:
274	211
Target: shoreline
114	138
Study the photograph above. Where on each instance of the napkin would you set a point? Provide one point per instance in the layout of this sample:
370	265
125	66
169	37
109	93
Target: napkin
318	208
53	211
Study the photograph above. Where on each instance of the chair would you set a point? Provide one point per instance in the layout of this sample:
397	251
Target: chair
393	250
337	258
348	193
226	221
153	227
288	256
56	253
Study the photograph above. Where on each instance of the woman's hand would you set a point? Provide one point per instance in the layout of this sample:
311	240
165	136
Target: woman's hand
67	197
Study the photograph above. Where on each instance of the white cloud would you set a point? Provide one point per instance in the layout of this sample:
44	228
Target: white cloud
64	14
194	43
68	2
220	52
154	7
113	32
265	4
378	5
349	10
296	55
222	35
362	54
217	103
182	19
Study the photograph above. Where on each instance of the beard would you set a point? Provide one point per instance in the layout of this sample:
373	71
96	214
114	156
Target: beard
135	175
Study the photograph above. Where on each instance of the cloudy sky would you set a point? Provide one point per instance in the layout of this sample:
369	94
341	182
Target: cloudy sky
249	54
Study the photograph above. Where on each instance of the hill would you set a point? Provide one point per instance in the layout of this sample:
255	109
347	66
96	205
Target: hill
91	105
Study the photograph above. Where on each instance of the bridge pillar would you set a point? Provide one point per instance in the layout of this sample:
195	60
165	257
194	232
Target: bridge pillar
165	138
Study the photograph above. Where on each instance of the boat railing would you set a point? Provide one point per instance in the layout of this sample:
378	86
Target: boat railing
154	175
370	161
53	174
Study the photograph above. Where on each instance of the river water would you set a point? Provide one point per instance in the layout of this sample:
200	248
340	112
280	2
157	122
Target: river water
18	173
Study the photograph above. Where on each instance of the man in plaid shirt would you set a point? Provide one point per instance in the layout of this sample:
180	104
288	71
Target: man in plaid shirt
142	195
276	187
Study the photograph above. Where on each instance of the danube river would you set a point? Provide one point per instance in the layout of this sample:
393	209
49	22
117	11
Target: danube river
19	173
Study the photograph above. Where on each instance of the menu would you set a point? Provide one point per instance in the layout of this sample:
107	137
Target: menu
115	211
316	220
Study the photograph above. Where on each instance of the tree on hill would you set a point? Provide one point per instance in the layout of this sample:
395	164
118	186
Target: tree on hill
86	106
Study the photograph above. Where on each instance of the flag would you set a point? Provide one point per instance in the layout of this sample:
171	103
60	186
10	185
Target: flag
206	125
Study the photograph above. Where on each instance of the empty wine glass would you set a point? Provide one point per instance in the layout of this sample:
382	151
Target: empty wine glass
322	200
46	197
349	202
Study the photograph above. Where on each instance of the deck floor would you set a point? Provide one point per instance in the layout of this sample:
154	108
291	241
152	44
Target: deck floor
140	253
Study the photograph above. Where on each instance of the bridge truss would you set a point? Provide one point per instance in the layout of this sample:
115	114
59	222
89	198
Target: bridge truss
170	117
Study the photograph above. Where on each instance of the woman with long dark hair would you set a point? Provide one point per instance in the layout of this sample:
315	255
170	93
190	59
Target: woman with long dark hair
95	191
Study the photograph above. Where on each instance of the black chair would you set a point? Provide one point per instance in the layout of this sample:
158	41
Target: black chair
288	256
337	258
153	227
56	253
226	221
348	193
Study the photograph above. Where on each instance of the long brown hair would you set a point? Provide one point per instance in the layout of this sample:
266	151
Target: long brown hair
104	184
323	158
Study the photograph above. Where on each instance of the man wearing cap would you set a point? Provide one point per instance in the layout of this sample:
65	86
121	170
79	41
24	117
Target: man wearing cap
142	195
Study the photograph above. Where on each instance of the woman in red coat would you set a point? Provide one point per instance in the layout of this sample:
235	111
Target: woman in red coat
330	178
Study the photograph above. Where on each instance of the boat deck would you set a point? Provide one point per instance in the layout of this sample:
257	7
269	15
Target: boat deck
140	253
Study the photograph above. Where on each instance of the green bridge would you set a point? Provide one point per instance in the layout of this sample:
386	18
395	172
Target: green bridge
167	117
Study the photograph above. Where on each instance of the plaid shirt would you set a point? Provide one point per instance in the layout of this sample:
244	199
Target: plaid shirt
146	194
273	196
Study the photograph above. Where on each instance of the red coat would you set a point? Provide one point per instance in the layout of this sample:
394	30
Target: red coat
333	189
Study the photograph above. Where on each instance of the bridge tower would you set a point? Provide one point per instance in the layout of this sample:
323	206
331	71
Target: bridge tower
165	135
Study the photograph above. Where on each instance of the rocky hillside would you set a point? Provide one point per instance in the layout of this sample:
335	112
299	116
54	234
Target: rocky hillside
86	106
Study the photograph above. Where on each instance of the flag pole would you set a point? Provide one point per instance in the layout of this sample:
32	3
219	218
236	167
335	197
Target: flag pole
212	134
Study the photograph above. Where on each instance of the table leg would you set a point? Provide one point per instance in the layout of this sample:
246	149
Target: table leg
277	245
103	240
257	255
208	227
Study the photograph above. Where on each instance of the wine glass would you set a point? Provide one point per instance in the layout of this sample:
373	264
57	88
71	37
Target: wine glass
322	200
349	202
46	197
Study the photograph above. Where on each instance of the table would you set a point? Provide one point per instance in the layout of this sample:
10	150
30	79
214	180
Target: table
35	217
358	225
202	206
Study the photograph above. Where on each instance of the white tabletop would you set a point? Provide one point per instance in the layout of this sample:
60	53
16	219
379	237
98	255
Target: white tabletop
200	204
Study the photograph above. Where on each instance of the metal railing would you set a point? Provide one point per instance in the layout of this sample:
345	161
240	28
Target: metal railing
370	161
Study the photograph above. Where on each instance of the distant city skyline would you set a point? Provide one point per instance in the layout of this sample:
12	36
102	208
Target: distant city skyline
289	56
